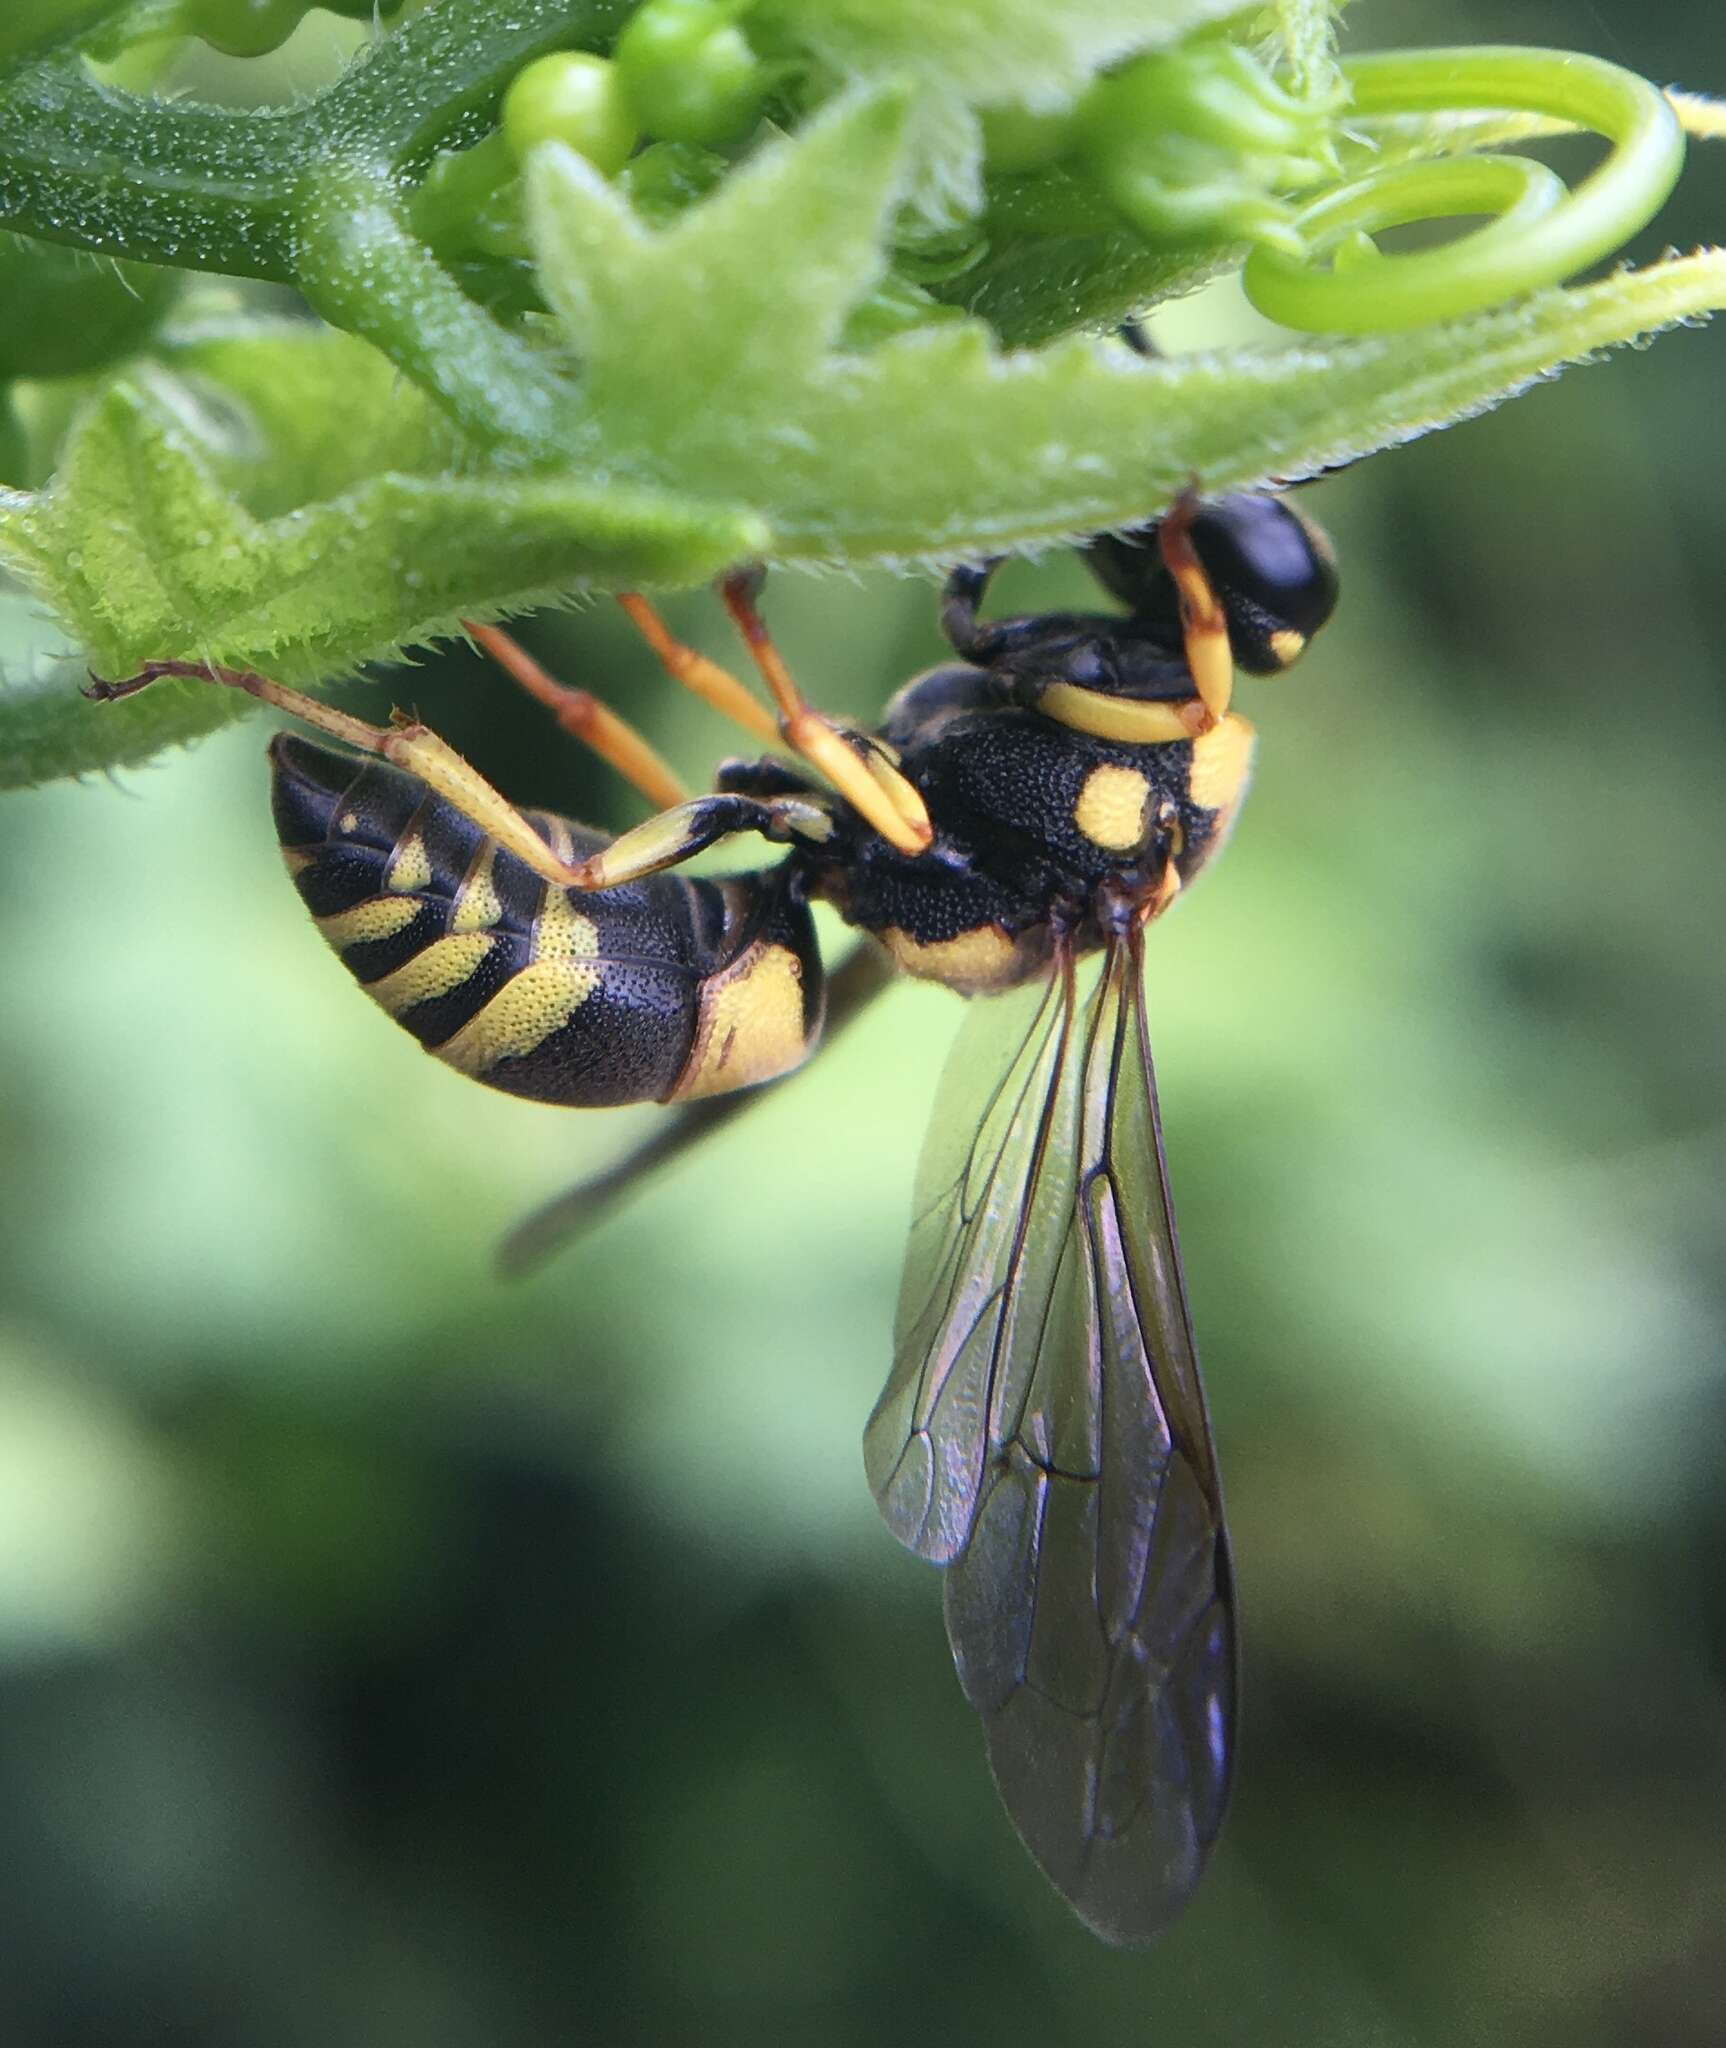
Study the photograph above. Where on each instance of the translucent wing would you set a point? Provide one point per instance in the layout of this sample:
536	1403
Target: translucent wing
1043	1434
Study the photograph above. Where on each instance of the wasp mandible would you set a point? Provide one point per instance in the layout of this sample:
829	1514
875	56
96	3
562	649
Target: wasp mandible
1042	798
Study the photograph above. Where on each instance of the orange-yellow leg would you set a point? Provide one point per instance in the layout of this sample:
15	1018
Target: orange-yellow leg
714	685
660	842
864	777
585	718
857	767
1204	629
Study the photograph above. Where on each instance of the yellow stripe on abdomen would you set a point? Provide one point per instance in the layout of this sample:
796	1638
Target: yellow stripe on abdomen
477	903
380	918
410	867
522	1015
442	967
560	976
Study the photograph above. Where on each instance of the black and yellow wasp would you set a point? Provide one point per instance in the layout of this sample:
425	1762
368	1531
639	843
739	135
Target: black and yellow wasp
1039	800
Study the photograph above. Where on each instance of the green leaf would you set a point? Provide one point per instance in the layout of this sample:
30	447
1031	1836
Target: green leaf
62	313
967	54
33	24
280	495
279	499
937	443
787	246
1306	30
1034	53
48	731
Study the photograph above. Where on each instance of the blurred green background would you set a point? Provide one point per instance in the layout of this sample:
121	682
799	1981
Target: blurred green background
391	1655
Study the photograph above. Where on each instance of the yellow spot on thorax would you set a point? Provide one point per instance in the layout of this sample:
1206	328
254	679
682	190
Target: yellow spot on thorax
1113	810
1222	760
974	963
1288	646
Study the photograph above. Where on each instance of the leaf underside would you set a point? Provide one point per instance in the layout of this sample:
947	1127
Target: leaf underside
276	494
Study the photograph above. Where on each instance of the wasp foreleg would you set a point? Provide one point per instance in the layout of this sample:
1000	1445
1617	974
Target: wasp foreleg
1204	625
864	774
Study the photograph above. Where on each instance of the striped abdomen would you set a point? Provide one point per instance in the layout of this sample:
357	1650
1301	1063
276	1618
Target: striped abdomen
661	989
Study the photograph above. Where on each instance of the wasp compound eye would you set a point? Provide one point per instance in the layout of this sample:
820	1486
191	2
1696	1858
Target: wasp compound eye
1274	573
1271	569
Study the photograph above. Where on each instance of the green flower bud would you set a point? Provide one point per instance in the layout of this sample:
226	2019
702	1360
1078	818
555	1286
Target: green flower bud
689	71
667	178
574	99
245	28
1201	143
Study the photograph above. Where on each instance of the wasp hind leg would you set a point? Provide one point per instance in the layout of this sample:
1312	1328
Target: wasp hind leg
661	842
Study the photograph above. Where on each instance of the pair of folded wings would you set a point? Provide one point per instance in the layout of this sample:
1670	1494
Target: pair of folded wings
1043	1436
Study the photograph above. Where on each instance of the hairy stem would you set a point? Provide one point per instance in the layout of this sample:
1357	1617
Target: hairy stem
207	188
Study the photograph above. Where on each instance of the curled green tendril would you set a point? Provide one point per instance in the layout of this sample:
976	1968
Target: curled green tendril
1543	232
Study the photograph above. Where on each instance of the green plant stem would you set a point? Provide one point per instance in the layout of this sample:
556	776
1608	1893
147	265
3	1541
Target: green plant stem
363	271
200	187
207	188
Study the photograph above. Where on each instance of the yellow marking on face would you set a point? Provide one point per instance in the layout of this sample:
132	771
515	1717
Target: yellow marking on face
410	865
348	823
541	999
1222	760
381	918
1113	810
1288	646
974	963
444	965
750	1026
1133	722
298	858
477	903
